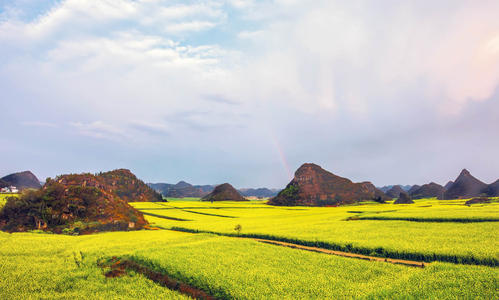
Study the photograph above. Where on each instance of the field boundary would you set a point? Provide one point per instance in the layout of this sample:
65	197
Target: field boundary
434	220
163	217
207	214
409	263
379	252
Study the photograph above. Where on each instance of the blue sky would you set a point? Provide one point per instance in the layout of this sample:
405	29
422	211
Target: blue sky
246	91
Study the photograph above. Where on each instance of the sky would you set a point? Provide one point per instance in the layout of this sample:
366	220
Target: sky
245	91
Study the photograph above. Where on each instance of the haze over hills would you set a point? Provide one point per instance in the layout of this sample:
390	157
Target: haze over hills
386	188
259	192
395	191
181	189
429	190
184	189
465	186
314	186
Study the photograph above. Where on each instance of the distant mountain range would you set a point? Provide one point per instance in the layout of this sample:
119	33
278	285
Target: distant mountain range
386	188
184	189
465	186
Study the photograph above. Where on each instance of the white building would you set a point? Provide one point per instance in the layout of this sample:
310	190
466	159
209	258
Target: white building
9	189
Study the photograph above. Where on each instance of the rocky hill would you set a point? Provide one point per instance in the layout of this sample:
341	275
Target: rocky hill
22	180
314	186
3	183
493	189
465	186
75	203
403	198
413	188
429	190
128	187
160	187
448	184
224	192
395	191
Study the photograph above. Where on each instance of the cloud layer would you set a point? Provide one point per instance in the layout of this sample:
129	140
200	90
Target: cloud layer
246	91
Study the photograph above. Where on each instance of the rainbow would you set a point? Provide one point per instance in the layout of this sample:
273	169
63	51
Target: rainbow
282	156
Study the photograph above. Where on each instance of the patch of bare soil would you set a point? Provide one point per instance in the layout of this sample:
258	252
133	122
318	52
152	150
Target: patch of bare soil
119	268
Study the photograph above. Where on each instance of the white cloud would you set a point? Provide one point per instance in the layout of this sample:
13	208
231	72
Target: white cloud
321	55
189	26
325	77
100	130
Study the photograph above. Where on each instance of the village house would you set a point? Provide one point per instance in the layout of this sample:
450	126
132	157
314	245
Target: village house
9	189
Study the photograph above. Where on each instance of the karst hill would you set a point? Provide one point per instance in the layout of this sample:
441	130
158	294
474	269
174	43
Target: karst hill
79	203
314	186
224	192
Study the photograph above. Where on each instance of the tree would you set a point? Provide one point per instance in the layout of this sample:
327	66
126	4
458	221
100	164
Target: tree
238	228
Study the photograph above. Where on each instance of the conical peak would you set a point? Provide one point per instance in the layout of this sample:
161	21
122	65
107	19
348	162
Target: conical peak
464	172
306	166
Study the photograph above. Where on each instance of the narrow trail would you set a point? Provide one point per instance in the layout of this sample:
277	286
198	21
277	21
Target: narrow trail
410	263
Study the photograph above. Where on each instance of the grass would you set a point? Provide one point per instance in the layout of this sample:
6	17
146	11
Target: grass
448	241
45	266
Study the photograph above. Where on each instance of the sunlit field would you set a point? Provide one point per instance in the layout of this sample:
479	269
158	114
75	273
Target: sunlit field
454	237
65	267
40	265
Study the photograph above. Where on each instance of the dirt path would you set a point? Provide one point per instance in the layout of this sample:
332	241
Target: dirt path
410	263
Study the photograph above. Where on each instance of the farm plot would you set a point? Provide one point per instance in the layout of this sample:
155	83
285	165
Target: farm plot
60	267
474	242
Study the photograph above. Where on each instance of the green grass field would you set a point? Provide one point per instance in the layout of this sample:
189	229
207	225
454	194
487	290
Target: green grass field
48	266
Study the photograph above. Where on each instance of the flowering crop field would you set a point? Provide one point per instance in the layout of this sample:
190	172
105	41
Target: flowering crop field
48	266
462	236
